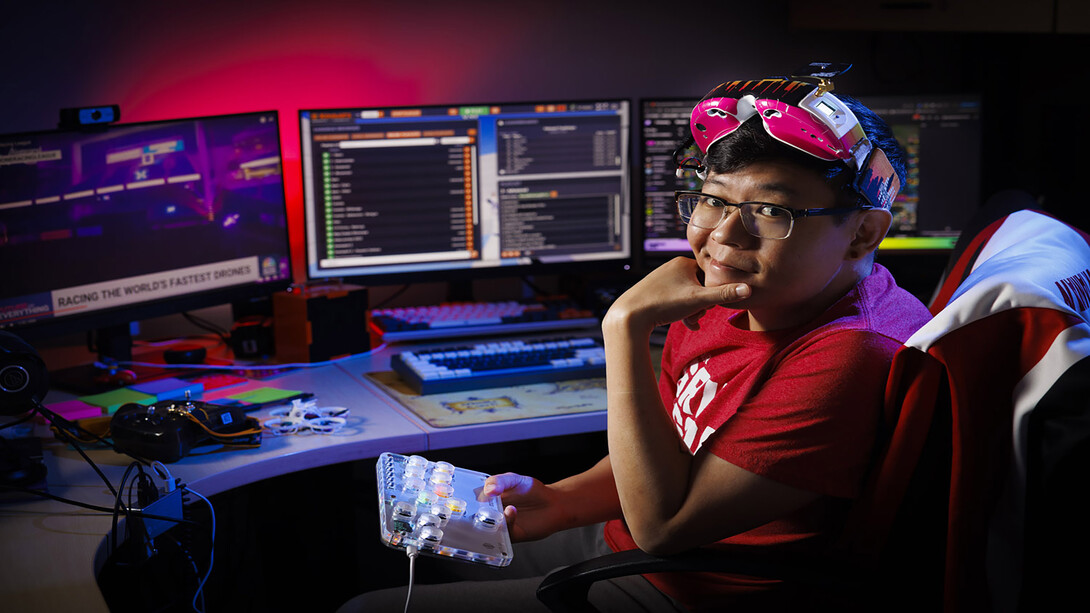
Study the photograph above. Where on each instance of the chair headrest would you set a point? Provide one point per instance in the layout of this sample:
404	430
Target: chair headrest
1028	259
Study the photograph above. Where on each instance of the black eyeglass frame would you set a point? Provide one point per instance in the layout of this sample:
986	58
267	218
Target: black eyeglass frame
794	213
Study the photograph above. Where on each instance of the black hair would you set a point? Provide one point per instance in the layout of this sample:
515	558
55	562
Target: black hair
751	143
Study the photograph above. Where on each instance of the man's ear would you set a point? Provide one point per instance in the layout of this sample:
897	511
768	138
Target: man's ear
871	227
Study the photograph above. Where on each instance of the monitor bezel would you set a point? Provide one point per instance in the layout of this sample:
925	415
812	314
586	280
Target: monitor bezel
932	243
894	244
652	259
112	317
464	274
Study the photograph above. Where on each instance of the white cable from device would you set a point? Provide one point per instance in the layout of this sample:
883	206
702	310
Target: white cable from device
164	474
412	551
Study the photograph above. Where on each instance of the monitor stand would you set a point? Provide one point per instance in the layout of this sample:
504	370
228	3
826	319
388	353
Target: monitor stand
113	346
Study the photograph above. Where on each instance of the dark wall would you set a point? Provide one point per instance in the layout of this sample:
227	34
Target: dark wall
164	60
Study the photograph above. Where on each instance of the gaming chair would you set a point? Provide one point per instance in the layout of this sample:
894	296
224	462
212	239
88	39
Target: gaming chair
977	502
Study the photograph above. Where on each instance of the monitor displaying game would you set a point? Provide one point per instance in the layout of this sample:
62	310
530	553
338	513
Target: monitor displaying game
116	223
405	194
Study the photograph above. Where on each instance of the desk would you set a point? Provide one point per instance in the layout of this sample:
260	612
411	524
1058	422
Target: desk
51	550
462	436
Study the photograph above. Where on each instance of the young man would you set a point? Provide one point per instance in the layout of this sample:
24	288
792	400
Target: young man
759	430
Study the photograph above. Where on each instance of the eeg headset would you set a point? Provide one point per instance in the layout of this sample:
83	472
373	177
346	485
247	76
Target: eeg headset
801	112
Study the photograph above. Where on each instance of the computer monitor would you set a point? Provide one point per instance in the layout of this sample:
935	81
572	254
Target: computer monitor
663	127
395	195
103	227
941	135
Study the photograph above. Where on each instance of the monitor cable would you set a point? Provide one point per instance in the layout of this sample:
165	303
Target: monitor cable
208	326
392	297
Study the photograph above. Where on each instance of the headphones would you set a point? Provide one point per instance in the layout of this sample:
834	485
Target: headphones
801	112
24	380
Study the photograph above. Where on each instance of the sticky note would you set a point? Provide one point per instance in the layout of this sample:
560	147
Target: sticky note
75	409
168	389
112	400
217	380
263	394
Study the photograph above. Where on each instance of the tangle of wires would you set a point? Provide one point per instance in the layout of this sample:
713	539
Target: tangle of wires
162	552
158	569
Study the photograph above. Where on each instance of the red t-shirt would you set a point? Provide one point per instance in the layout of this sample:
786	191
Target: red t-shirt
800	406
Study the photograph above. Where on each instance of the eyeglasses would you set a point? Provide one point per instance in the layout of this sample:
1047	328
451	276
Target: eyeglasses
760	219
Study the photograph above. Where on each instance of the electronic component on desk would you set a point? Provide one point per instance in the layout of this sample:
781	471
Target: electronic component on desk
168	430
433	506
457	319
500	363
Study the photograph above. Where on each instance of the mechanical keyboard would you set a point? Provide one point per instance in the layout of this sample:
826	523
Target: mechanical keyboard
502	363
457	319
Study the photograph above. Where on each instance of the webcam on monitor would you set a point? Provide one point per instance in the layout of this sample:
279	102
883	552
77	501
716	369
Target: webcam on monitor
90	116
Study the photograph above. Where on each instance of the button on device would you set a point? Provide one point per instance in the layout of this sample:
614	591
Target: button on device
457	507
403	516
427	519
488	519
430	535
426	498
413	485
442	511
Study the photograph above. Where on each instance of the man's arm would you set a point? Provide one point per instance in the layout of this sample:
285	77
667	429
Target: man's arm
535	510
671	500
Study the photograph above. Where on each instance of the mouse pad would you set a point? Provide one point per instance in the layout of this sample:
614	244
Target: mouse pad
496	404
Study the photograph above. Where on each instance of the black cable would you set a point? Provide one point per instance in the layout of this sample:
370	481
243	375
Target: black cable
71	440
196	569
204	324
391	297
135	484
95	507
54	418
118	493
530	284
117	507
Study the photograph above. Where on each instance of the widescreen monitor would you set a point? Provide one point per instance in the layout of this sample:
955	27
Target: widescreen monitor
663	127
406	194
941	135
119	223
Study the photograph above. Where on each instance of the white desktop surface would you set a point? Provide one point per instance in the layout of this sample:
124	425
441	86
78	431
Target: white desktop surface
49	548
473	434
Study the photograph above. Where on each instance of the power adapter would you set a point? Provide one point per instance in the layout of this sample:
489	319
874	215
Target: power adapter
168	504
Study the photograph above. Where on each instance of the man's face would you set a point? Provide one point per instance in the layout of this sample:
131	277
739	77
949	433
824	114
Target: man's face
793	279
